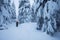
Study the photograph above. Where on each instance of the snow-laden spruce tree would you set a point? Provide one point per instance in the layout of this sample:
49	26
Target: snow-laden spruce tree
6	12
25	12
36	8
49	17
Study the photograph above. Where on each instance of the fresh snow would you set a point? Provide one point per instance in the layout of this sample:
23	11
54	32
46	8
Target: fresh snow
25	31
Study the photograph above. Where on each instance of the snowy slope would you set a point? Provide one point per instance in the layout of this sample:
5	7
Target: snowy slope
25	31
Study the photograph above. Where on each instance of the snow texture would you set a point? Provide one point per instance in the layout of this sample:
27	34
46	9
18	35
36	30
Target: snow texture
25	31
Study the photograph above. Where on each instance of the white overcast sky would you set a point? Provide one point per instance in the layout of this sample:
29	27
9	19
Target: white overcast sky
31	2
16	3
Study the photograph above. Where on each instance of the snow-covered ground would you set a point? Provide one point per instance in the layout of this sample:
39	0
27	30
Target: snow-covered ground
25	31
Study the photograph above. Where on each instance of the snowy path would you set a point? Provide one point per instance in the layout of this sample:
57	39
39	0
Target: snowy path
26	31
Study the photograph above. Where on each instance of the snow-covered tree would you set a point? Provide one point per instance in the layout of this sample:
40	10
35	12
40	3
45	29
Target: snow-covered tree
25	12
49	18
7	12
